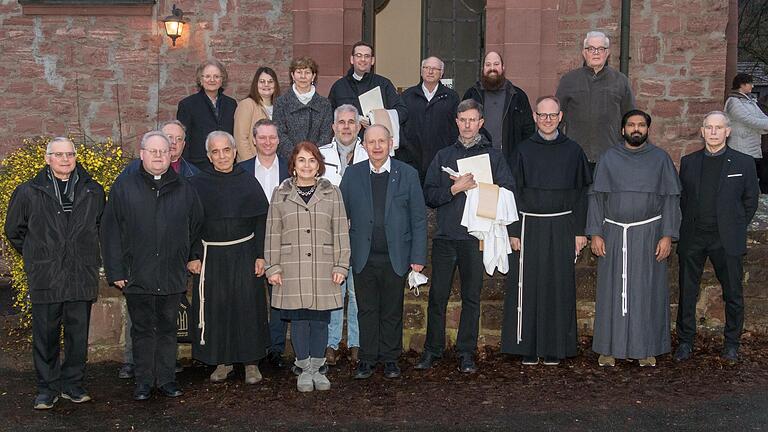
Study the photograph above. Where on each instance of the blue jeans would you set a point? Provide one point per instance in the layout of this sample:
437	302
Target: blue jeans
337	318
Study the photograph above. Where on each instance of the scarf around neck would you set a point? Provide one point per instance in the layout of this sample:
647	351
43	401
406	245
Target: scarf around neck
306	97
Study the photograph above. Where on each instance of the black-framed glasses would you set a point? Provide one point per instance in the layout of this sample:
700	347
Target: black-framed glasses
544	116
595	50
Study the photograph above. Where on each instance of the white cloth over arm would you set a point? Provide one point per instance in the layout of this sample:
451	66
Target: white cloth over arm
492	232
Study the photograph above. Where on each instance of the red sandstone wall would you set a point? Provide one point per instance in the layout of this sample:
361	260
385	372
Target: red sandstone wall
45	59
677	65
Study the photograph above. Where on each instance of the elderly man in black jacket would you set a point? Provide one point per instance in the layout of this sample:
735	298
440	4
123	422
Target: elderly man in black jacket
431	114
152	218
508	115
53	223
719	198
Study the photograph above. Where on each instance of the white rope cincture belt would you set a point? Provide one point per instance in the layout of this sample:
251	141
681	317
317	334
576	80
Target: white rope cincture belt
624	276
520	269
201	285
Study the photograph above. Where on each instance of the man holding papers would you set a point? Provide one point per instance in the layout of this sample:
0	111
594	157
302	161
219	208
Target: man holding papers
359	79
452	245
552	176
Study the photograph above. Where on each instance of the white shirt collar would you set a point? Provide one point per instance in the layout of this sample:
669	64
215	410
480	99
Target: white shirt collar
259	164
429	95
384	167
357	77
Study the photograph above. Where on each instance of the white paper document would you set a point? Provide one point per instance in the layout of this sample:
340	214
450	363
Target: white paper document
371	100
479	166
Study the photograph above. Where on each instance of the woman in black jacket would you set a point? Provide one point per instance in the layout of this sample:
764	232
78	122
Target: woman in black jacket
206	111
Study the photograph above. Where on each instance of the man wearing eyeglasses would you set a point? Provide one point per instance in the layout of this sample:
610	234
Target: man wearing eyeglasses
150	223
552	176
593	99
452	245
508	114
52	222
360	79
176	133
431	114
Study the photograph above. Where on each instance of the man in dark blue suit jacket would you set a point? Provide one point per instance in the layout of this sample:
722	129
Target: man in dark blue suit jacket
719	198
388	236
270	170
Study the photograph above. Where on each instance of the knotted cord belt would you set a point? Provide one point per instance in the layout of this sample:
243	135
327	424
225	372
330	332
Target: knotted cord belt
520	271
624	276
201	285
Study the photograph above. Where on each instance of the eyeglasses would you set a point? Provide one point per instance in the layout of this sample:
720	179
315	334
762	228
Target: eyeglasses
595	50
361	56
177	139
212	77
431	69
62	155
156	152
266	82
544	116
350	122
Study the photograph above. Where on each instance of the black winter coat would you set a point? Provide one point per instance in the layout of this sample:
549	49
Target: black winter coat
518	117
196	113
60	251
346	90
148	230
431	125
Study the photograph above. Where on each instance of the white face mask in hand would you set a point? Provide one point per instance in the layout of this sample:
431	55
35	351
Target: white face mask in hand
414	280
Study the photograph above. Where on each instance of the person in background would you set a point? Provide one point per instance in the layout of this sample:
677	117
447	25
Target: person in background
258	105
748	123
301	113
206	111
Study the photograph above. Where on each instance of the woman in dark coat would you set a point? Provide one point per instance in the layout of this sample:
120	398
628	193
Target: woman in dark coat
300	113
206	111
229	301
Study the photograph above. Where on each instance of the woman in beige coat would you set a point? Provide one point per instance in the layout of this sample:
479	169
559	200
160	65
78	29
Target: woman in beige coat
307	258
258	105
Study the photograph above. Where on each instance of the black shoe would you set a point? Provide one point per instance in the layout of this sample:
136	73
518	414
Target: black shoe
275	360
142	392
467	364
683	352
391	370
427	361
730	354
364	370
170	389
126	371
45	401
179	367
76	394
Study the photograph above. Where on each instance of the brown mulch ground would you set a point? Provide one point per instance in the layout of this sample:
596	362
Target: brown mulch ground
702	394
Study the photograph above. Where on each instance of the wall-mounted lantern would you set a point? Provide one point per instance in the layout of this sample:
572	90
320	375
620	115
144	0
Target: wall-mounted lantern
174	24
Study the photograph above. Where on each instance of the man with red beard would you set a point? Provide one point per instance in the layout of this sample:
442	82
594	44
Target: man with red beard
508	115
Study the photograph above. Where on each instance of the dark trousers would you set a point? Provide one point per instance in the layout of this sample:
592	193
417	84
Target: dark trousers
277	327
446	256
380	293
728	269
47	320
762	174
309	338
154	336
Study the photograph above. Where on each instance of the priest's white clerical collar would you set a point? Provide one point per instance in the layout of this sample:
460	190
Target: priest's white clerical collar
357	77
383	168
157	177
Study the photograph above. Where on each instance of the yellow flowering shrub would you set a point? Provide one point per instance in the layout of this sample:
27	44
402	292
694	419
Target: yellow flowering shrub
104	161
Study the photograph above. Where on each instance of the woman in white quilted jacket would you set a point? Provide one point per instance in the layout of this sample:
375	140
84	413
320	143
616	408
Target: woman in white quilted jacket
747	124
